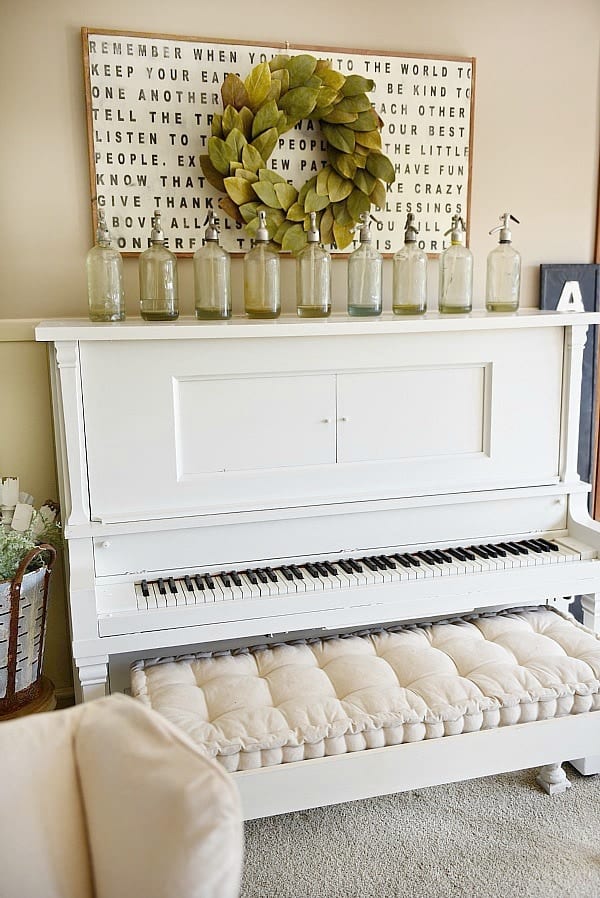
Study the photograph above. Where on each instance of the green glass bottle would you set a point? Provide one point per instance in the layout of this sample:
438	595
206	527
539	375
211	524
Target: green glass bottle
104	265
456	272
261	275
409	295
313	276
212	289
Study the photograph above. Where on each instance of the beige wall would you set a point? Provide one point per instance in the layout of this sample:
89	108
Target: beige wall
535	152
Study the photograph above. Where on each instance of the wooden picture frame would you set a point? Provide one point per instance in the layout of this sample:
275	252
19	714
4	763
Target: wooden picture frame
150	98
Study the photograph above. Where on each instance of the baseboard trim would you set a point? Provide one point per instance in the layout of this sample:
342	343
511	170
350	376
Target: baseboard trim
65	697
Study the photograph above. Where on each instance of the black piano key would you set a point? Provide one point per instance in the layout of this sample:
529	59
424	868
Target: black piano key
389	563
479	551
312	570
345	566
225	578
492	551
542	546
262	575
331	567
188	583
440	557
402	560
172	585
522	550
286	573
236	578
271	574
446	556
251	575
551	546
209	581
161	586
530	544
321	569
377	562
508	547
296	572
427	557
199	582
145	589
356	567
457	553
500	552
369	564
469	555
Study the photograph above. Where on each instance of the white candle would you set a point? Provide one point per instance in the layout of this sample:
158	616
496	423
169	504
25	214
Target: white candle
10	491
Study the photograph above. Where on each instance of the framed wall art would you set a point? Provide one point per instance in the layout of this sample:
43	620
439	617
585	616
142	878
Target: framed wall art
158	105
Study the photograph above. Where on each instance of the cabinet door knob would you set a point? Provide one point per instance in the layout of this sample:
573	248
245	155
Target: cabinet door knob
343	418
325	420
105	544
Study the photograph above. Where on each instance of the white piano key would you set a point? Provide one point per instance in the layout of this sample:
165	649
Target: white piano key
141	601
160	598
249	589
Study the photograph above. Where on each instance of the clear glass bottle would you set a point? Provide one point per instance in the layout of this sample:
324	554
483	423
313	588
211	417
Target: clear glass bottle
261	276
104	267
159	288
364	275
313	276
456	272
409	293
503	280
212	282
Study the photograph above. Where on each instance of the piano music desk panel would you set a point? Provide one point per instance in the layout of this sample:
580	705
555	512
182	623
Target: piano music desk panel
219	480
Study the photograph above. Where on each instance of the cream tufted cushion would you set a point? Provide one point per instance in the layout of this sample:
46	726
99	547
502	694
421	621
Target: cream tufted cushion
305	699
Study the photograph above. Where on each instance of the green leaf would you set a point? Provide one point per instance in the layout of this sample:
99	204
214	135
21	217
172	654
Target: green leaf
380	166
300	69
357	203
326	226
233	92
296	212
370	139
274	90
332	79
343	163
247	117
249	211
274	217
312	182
216	126
228	206
231	119
239	190
211	174
294	239
314	202
340	137
366	121
266	192
364	181
325	97
379	195
357	103
281	123
322	178
267	174
257	85
265	118
266	142
281	230
343	236
341	214
278	62
339	188
283	76
251	158
286	194
356	84
323	65
244	173
220	154
338	116
236	141
299	102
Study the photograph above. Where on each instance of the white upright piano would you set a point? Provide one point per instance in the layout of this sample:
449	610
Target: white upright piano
204	466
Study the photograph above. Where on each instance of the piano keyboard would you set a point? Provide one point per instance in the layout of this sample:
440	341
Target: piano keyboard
369	570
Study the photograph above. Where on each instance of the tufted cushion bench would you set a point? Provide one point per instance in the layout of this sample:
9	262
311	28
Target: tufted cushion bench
305	699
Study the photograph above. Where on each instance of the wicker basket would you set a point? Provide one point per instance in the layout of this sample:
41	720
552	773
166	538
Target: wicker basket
23	606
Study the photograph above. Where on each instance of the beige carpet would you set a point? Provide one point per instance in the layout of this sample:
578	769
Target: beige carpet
499	837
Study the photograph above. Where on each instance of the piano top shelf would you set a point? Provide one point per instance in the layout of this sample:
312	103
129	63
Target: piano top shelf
189	328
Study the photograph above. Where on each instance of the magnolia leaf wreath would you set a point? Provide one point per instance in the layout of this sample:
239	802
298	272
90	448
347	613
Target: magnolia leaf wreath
274	97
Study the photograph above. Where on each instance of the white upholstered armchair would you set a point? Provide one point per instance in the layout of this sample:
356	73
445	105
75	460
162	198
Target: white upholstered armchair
110	800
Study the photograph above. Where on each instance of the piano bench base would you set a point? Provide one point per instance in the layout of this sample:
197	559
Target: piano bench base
323	720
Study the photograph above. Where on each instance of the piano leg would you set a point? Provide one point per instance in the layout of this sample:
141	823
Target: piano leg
590	605
553	779
92	675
